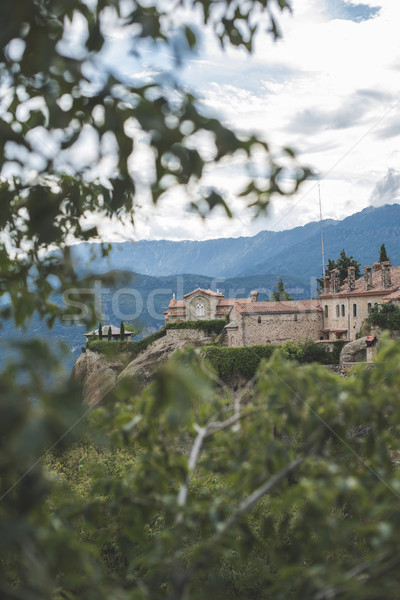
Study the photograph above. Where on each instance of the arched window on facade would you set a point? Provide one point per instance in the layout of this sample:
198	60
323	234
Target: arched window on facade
259	320
354	310
326	310
199	309
369	307
343	311
337	310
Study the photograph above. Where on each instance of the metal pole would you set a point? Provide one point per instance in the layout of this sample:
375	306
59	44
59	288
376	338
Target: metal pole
322	236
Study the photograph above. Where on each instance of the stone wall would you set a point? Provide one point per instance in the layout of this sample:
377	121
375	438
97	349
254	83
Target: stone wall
185	334
274	328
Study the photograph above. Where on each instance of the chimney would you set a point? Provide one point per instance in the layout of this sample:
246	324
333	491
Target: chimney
254	295
376	266
386	278
367	277
335	281
327	284
351	278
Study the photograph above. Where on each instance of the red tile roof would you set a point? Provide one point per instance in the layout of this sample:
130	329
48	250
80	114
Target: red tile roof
208	292
232	301
176	303
393	296
291	306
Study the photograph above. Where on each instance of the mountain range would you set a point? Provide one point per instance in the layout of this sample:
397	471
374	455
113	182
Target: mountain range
295	252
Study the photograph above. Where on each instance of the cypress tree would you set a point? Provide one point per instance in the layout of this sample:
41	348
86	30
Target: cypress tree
280	293
122	331
100	331
383	257
109	335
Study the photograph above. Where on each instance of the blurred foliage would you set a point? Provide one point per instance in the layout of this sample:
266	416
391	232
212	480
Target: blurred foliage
60	94
188	492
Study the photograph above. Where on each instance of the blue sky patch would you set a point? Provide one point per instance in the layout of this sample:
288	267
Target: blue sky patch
339	9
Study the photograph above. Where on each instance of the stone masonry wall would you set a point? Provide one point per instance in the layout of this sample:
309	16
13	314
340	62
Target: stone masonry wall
185	334
276	328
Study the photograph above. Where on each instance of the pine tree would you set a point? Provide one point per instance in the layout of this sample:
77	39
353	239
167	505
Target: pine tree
280	293
100	331
122	331
342	263
383	257
109	334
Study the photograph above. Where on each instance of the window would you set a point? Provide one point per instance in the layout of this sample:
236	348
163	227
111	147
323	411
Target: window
199	310
326	310
295	317
354	310
259	320
369	307
343	311
337	310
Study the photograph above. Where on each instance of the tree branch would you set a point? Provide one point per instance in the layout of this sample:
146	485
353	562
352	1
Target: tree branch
251	500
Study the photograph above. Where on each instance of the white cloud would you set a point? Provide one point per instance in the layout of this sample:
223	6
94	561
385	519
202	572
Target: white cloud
329	89
387	190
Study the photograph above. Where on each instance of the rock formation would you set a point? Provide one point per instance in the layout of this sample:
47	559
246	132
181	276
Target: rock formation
99	374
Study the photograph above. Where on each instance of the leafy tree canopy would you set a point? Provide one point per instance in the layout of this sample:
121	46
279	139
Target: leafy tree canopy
342	263
385	316
187	491
59	93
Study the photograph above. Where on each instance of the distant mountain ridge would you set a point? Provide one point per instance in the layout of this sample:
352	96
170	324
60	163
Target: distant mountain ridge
295	252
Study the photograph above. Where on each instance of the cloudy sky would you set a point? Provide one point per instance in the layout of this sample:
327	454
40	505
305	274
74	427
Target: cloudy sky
330	89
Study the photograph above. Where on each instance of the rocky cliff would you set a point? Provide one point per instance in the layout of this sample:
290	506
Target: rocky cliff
99	374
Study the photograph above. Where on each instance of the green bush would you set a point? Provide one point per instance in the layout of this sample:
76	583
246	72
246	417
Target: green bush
240	361
211	326
133	348
386	316
310	351
335	355
244	361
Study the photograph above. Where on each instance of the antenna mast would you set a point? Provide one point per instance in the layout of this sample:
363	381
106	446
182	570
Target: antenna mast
322	236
